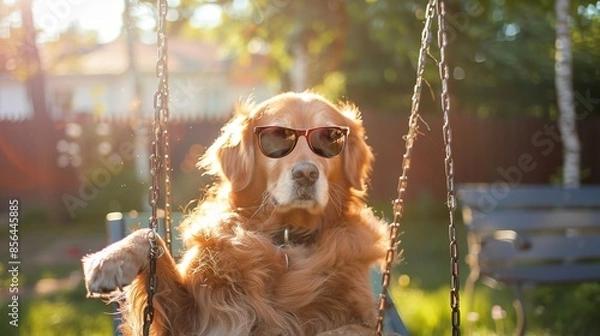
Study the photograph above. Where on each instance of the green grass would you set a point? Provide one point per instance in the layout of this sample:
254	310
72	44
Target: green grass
61	314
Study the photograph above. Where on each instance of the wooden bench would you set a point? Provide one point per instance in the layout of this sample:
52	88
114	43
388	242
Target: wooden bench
119	225
531	235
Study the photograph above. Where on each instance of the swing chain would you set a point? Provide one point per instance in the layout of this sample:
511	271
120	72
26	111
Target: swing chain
159	163
162	72
411	136
432	7
449	170
161	106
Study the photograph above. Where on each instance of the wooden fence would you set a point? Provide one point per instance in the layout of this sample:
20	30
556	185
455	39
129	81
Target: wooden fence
507	151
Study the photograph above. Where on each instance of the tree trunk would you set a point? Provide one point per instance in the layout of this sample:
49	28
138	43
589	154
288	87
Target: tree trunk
43	133
564	94
35	75
298	72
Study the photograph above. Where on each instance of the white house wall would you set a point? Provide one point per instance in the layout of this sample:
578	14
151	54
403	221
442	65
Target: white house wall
14	101
192	96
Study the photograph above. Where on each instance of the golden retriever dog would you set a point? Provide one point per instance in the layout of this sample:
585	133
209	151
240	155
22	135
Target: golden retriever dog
282	243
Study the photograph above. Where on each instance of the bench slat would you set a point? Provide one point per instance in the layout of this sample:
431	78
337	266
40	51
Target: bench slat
545	274
529	220
541	249
488	198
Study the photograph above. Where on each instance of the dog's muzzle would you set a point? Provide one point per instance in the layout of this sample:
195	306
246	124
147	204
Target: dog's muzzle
305	174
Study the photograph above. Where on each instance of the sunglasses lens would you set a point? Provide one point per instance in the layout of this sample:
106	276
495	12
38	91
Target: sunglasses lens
276	142
327	142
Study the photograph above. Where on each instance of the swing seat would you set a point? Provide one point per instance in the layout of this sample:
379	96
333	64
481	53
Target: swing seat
120	224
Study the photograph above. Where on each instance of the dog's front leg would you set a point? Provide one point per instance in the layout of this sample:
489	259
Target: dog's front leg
118	264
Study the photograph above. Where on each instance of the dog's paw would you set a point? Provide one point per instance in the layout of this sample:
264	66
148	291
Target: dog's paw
117	265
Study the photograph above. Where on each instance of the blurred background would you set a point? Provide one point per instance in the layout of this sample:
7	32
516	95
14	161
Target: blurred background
77	80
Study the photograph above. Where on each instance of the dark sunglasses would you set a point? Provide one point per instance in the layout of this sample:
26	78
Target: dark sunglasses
276	142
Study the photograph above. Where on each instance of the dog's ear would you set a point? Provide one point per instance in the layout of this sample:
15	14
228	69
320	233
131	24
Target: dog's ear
358	157
231	156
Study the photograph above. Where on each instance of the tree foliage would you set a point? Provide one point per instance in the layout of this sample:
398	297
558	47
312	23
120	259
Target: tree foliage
501	52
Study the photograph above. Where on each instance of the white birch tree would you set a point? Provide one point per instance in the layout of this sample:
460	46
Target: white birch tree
564	94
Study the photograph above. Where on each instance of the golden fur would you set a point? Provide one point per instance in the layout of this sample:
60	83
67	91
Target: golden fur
233	279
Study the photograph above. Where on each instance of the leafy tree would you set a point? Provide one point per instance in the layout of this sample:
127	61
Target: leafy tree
501	52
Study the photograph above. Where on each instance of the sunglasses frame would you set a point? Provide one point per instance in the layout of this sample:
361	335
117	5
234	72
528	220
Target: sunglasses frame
299	133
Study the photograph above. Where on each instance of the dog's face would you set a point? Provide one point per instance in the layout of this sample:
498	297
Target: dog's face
267	155
301	179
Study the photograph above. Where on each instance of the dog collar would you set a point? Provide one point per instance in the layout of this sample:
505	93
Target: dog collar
284	241
285	237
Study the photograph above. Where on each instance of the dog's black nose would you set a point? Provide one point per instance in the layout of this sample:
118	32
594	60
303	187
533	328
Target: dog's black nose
305	173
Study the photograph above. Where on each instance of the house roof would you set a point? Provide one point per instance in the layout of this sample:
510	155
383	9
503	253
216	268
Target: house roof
112	59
